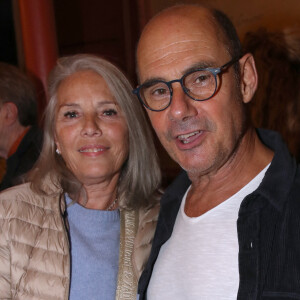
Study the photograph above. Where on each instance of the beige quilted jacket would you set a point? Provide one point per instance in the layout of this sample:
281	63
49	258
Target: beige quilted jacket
34	246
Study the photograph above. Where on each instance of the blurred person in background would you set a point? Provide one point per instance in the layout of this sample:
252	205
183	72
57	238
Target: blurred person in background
276	103
82	227
20	137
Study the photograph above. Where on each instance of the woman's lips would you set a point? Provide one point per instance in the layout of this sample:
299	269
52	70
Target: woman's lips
92	149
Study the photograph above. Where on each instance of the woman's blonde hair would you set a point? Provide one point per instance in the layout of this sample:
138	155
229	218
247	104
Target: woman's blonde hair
140	175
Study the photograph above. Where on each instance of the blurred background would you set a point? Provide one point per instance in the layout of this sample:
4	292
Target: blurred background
34	33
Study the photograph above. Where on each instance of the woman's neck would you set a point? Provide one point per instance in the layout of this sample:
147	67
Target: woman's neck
100	195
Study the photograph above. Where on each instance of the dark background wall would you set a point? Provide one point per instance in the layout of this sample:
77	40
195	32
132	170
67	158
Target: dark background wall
8	51
107	28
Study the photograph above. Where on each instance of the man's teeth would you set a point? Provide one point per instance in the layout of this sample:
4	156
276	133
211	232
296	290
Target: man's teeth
184	137
92	150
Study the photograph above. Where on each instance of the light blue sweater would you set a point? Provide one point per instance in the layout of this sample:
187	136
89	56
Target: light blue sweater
95	238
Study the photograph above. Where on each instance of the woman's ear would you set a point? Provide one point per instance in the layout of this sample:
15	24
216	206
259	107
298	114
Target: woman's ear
249	77
57	146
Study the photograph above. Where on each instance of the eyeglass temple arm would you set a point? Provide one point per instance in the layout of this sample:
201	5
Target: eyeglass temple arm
233	61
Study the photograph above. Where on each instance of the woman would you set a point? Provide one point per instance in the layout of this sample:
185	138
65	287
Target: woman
83	225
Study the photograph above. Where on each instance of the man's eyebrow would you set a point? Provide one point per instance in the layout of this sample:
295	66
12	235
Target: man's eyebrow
150	81
199	65
194	67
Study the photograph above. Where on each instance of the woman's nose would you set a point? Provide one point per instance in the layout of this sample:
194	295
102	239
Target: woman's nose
91	126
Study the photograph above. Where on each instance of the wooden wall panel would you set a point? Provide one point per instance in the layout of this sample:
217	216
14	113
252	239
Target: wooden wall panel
106	28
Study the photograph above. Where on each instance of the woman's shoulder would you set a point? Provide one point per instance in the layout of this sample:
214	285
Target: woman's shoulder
23	197
16	202
21	189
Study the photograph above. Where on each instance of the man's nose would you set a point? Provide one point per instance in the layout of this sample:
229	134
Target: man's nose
182	106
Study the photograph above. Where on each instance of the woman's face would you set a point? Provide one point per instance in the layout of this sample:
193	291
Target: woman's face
90	129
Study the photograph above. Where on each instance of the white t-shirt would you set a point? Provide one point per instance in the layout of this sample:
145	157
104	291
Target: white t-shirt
200	260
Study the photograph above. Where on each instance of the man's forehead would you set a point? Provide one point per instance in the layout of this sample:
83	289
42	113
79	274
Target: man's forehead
178	50
181	56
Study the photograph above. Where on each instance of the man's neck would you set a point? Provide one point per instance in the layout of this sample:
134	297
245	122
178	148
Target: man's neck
14	138
209	190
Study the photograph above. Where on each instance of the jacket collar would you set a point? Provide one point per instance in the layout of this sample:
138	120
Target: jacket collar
279	178
171	200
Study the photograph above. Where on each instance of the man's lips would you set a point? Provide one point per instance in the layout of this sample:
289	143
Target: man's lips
189	137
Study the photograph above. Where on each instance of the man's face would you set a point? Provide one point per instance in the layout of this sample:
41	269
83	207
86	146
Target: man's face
200	136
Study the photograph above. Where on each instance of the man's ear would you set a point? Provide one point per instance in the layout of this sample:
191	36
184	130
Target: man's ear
249	77
10	111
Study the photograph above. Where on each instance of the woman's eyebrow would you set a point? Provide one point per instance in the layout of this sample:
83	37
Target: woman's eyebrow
68	105
103	102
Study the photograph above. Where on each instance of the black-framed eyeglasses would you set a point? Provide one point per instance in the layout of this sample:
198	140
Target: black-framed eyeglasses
199	85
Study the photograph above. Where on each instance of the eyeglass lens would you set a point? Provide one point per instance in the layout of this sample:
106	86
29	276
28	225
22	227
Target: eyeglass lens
199	85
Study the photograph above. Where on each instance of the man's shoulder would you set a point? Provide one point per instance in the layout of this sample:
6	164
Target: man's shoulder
179	185
294	195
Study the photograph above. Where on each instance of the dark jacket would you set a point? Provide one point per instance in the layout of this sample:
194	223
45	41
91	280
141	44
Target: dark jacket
268	229
23	159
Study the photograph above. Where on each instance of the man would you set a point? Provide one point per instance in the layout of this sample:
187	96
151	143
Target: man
20	138
229	225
